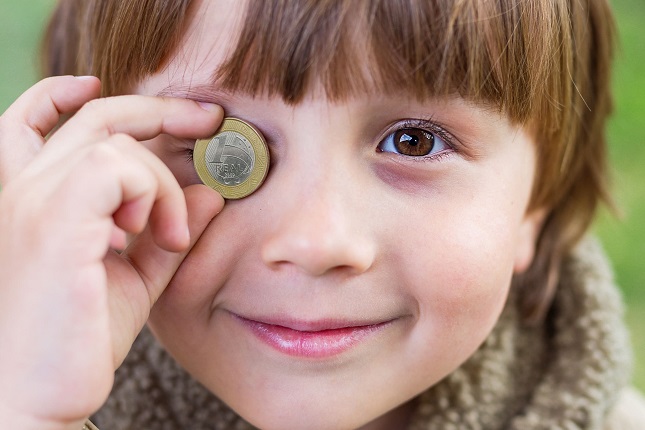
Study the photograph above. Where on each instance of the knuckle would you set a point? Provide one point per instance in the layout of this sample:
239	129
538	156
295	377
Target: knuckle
91	113
103	154
126	145
94	106
122	141
96	114
99	114
52	80
109	156
47	83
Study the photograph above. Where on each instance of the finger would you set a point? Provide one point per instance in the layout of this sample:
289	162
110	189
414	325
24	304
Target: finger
118	239
168	216
137	189
140	117
121	181
157	266
98	183
33	115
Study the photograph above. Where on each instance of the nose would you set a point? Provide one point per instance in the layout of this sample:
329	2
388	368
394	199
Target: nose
320	231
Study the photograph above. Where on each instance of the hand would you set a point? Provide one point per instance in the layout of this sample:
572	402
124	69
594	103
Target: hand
71	306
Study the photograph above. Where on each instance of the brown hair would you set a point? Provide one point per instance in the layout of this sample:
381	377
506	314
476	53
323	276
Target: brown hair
545	64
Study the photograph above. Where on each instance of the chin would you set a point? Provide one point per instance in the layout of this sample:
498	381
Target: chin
310	408
294	417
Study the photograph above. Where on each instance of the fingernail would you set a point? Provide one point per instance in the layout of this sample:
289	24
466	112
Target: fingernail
210	107
85	78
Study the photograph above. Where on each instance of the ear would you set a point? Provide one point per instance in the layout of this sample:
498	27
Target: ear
529	232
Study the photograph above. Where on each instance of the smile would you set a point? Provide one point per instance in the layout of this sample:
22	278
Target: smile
317	339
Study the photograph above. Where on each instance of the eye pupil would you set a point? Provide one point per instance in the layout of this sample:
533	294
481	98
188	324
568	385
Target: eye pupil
410	140
413	142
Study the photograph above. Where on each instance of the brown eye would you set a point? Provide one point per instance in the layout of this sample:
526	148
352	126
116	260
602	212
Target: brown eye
413	142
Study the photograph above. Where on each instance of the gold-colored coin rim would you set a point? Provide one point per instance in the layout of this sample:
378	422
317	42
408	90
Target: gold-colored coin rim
260	169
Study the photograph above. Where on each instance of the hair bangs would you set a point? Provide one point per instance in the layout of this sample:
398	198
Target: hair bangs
479	50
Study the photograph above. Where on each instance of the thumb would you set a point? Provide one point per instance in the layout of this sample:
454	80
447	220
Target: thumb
155	265
140	274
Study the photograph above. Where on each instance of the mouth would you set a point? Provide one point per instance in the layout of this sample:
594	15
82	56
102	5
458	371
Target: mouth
311	339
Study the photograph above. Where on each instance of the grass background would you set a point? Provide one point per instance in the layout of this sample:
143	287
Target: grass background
21	23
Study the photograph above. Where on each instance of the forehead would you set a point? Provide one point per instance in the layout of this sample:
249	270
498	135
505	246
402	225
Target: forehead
209	38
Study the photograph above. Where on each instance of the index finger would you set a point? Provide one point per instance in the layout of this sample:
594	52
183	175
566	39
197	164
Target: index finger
142	117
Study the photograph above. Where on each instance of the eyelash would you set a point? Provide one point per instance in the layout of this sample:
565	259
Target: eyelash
427	126
188	155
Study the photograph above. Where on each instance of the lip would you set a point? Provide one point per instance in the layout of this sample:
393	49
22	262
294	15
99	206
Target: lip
311	339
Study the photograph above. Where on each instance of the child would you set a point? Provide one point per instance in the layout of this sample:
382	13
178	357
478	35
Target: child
413	259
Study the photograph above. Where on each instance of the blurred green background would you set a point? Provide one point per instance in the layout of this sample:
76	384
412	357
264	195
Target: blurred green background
21	23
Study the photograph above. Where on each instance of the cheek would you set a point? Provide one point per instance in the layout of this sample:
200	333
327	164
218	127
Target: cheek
186	306
460	278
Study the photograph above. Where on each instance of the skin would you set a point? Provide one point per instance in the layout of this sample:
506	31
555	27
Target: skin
70	307
342	230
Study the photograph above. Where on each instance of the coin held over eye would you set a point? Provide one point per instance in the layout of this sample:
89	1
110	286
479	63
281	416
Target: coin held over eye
235	161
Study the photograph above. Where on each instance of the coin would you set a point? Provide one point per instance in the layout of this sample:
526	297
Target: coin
235	161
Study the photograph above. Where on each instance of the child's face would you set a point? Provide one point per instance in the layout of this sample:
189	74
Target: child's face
415	253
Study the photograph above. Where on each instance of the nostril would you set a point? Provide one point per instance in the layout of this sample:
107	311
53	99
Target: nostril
317	256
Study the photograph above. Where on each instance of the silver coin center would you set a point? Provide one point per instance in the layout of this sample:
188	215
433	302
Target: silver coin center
230	158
